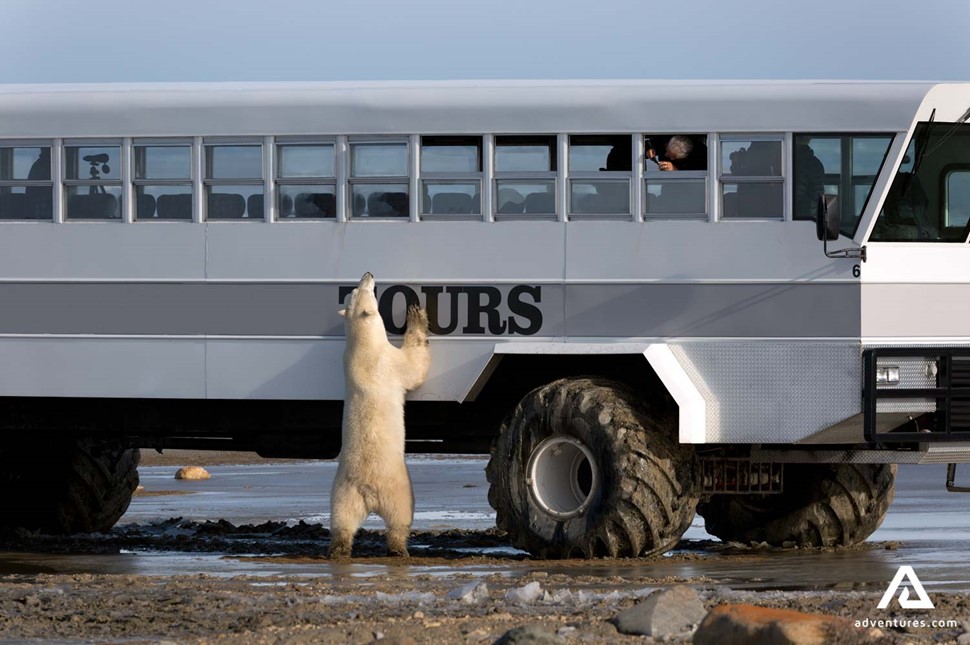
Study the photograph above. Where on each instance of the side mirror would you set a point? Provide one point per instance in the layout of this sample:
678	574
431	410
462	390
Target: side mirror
829	218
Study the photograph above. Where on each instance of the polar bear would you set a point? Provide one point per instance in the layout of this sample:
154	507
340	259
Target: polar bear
372	475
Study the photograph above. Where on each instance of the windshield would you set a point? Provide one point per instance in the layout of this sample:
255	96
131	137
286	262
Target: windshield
929	200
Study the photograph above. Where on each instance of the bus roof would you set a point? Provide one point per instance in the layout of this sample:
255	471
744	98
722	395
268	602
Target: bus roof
456	107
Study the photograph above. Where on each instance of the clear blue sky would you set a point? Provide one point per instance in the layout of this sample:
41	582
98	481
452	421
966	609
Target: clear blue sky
237	40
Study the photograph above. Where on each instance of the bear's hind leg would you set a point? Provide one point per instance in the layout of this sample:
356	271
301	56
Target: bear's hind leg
347	512
397	541
397	510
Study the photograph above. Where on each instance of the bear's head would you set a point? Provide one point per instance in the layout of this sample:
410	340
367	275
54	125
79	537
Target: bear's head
361	311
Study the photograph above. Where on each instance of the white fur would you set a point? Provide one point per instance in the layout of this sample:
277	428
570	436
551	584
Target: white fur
372	475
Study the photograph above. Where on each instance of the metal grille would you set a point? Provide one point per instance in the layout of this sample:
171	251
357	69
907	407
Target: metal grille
943	409
741	476
772	390
960	407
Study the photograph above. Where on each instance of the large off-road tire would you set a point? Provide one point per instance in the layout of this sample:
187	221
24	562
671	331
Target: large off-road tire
823	505
65	486
584	467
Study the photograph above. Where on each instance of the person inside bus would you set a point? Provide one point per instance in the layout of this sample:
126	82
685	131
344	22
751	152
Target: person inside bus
681	197
809	181
761	200
620	157
682	155
39	198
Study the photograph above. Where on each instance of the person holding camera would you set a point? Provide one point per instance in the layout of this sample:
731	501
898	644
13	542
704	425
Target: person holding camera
678	154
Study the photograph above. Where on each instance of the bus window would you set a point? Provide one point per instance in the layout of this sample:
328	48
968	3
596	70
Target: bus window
234	181
525	175
306	185
843	165
525	154
26	189
451	170
600	168
163	182
929	199
752	178
379	179
675	176
683	151
307	201
93	181
957	201
451	154
451	198
306	161
379	159
609	152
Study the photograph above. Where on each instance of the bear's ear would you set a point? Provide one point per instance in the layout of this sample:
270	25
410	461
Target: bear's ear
343	312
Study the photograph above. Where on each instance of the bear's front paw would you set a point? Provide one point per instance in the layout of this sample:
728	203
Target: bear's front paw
417	318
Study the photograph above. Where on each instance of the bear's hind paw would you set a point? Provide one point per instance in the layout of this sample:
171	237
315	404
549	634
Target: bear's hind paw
339	552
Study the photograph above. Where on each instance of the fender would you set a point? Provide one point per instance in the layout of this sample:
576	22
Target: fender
692	421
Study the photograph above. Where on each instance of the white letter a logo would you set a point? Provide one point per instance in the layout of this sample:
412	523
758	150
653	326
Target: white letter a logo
907	572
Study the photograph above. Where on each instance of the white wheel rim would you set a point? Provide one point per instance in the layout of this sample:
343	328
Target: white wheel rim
562	477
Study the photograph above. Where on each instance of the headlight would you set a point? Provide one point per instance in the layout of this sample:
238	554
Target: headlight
887	375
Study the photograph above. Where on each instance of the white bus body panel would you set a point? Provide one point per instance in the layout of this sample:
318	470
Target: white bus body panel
755	332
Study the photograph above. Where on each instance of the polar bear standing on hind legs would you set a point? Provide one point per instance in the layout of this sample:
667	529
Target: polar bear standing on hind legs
372	475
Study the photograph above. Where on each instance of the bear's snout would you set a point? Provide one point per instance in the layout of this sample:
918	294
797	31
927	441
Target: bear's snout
367	282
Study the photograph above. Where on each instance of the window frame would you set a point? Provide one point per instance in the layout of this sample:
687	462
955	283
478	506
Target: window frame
945	174
611	176
840	135
209	182
32	183
680	176
155	142
783	179
66	183
280	181
454	177
526	176
402	180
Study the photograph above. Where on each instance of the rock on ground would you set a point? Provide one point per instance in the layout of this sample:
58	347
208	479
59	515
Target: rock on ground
192	473
529	635
663	614
751	625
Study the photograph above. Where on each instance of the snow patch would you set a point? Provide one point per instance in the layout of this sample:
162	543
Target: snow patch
525	594
471	593
405	598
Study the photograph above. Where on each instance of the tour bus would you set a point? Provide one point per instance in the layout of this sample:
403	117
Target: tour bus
647	299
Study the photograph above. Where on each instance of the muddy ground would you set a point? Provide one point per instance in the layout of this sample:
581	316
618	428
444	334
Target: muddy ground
463	591
392	604
259	610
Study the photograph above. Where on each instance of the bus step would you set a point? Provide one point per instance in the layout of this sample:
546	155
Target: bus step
951	475
740	476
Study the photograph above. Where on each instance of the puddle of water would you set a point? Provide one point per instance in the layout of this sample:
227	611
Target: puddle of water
931	525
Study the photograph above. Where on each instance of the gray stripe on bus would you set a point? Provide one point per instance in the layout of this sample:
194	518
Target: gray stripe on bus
590	310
